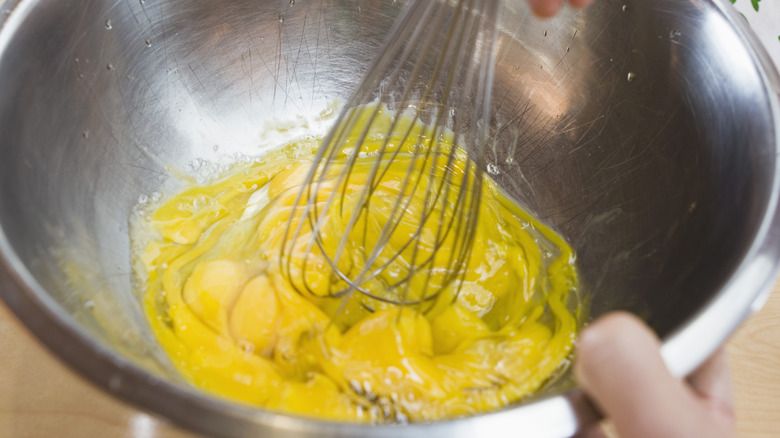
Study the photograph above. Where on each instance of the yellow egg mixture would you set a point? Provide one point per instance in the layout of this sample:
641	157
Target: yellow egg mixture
237	324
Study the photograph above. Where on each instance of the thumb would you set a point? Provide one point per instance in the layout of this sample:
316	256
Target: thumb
620	367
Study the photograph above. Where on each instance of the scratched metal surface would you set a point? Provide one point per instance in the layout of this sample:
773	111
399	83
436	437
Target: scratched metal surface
644	131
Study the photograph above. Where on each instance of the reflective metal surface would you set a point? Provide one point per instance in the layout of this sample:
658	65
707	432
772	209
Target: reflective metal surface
644	131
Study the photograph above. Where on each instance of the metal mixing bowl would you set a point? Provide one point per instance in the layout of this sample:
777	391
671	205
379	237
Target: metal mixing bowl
645	131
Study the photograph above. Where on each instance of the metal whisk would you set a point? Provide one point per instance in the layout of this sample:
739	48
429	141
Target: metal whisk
437	67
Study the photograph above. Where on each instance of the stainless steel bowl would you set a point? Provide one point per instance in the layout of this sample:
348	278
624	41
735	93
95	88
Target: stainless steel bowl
645	131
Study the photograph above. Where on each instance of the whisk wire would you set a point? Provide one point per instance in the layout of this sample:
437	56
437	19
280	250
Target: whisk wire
459	63
343	129
337	137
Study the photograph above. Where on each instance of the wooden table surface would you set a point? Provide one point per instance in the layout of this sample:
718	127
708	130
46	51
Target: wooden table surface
40	397
754	352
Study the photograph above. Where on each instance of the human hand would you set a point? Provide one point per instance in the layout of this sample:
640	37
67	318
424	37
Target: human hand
548	8
619	366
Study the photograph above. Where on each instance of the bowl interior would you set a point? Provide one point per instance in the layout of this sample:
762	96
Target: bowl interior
640	130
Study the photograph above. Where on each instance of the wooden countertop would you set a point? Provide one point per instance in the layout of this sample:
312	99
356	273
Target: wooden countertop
40	397
754	352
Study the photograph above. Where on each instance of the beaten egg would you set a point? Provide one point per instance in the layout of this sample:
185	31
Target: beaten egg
248	314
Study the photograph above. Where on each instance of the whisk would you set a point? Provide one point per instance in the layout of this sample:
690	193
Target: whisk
436	68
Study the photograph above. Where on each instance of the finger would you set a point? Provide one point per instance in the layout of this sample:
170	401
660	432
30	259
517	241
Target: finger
545	8
712	382
712	379
579	4
620	367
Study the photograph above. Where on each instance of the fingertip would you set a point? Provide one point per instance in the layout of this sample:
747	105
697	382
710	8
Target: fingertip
610	347
545	8
579	4
619	323
607	340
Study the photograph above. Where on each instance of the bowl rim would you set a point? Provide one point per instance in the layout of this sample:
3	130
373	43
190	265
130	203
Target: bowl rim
557	416
692	343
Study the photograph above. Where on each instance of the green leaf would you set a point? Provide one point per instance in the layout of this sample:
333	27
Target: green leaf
755	4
